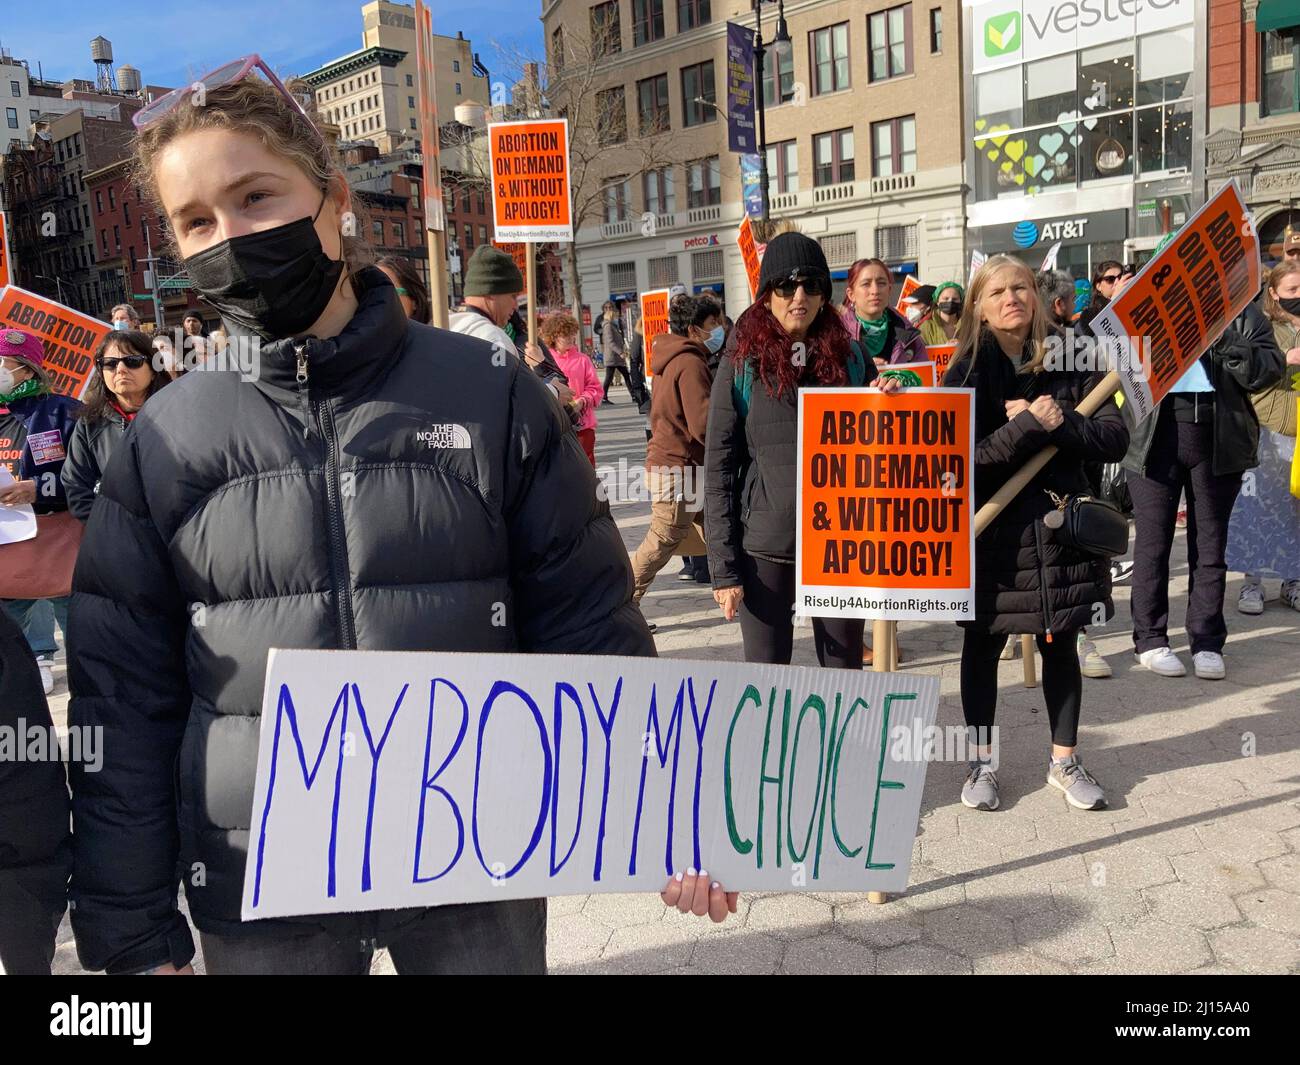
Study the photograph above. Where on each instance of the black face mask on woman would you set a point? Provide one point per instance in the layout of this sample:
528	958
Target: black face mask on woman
1291	305
274	283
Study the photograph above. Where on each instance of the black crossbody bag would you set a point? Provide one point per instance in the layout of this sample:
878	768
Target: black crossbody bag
1087	524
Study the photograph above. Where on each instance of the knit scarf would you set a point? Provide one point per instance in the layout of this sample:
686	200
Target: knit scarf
31	387
874	333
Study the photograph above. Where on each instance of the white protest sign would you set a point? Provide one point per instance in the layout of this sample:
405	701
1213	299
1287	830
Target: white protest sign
1049	260
389	779
16	523
977	259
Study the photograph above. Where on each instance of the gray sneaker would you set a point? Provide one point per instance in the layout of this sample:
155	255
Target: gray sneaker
980	792
1081	790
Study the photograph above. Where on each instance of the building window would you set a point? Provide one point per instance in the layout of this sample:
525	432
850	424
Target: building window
469	238
647	21
15	88
783	167
464	199
1165	65
896	243
112	199
657	186
557	48
703	183
840	249
117	239
771	61
34	115
893	147
455	66
103	239
663	271
126	212
131	249
480	200
652	105
611	116
413	123
830	59
833	157
618	196
458	92
606	31
706	265
622	277
1164	138
11	116
410	102
699	103
936	30
377	232
99	202
482	234
889	38
1280	72
692	14
1049	88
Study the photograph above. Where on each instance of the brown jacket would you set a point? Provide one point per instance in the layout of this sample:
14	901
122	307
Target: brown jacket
679	405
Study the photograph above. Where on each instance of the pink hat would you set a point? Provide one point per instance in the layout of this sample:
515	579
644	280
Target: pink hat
15	344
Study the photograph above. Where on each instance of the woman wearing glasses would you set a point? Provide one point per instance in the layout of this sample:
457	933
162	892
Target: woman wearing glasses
1106	278
124	378
790	338
303	506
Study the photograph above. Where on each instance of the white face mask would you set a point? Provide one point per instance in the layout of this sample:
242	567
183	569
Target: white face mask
7	380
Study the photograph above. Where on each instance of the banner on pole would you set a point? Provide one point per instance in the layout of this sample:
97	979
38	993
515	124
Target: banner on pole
517	251
750	254
742	135
751	183
530	180
388	780
654	320
69	336
885	507
434	217
1181	301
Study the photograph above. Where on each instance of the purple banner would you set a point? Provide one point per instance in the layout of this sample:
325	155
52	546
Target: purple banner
741	135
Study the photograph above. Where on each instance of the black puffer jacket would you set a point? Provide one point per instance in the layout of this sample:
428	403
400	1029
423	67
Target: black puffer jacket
751	473
410	487
1025	582
91	446
35	844
1243	360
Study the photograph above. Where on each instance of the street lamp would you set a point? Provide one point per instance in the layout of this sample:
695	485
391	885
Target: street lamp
782	46
57	286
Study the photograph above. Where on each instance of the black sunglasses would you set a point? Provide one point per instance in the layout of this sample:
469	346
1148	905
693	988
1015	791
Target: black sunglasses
133	362
786	288
1110	279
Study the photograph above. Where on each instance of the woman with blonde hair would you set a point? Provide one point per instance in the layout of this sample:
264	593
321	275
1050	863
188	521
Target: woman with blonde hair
1027	580
306	506
1264	534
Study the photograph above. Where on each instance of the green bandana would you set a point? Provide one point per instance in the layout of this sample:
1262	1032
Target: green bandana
31	387
874	333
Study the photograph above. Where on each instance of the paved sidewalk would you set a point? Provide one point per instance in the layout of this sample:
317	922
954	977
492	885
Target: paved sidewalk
1195	867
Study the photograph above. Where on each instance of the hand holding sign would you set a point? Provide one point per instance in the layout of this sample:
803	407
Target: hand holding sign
691	892
1047	412
18	494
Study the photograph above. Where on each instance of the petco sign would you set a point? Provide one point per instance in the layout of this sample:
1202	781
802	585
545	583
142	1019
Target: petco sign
1014	31
691	243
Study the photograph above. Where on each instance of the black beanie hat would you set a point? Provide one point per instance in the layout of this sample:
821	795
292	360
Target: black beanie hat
794	255
491	272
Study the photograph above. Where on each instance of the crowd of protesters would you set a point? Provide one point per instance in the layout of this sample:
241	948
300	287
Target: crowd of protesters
155	484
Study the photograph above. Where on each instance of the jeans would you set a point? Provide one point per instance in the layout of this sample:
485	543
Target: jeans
472	939
36	618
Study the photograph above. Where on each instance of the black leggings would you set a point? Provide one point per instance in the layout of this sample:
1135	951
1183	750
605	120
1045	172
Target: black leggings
1062	682
610	371
767	620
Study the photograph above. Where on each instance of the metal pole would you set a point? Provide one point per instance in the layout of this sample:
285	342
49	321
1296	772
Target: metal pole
760	50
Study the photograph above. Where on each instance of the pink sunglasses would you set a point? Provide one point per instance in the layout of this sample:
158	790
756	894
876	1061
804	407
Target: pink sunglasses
224	75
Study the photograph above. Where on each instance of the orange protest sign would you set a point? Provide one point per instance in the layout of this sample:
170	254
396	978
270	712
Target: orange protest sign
69	336
749	253
530	180
912	374
654	320
885	504
6	270
910	285
517	251
942	355
1182	300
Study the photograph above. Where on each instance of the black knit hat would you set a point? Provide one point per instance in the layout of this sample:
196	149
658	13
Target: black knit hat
491	272
794	255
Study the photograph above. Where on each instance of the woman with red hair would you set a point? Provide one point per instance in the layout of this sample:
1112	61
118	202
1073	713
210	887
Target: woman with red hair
789	339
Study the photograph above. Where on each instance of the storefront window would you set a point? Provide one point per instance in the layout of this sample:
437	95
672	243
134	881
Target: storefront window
1164	138
997	99
1049	89
1106	77
1164	66
1281	73
1106	150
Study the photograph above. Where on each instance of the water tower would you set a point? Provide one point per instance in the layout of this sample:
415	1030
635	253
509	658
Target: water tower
101	51
128	79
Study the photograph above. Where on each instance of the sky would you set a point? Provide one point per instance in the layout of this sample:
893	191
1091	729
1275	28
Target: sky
175	42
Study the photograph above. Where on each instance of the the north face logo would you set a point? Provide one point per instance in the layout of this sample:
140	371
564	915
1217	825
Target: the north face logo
447	435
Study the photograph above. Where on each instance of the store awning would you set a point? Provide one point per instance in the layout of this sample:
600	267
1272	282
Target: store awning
1277	15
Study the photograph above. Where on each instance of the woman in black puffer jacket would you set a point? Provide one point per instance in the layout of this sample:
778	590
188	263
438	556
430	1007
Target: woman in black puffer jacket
125	376
364	482
1025	581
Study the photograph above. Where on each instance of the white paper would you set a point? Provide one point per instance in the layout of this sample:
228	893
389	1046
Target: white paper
16	523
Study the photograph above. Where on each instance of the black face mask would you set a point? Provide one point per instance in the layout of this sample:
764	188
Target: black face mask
1291	305
274	283
950	308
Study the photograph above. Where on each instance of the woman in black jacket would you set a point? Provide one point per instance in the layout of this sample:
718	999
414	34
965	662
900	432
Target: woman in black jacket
376	484
125	376
789	338
1106	278
1026	581
1201	439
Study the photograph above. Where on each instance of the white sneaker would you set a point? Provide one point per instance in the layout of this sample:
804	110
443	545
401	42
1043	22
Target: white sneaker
1009	651
1251	599
1091	664
1163	661
46	666
1208	665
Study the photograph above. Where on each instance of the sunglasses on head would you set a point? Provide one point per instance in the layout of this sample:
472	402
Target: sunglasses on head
787	287
228	74
132	362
